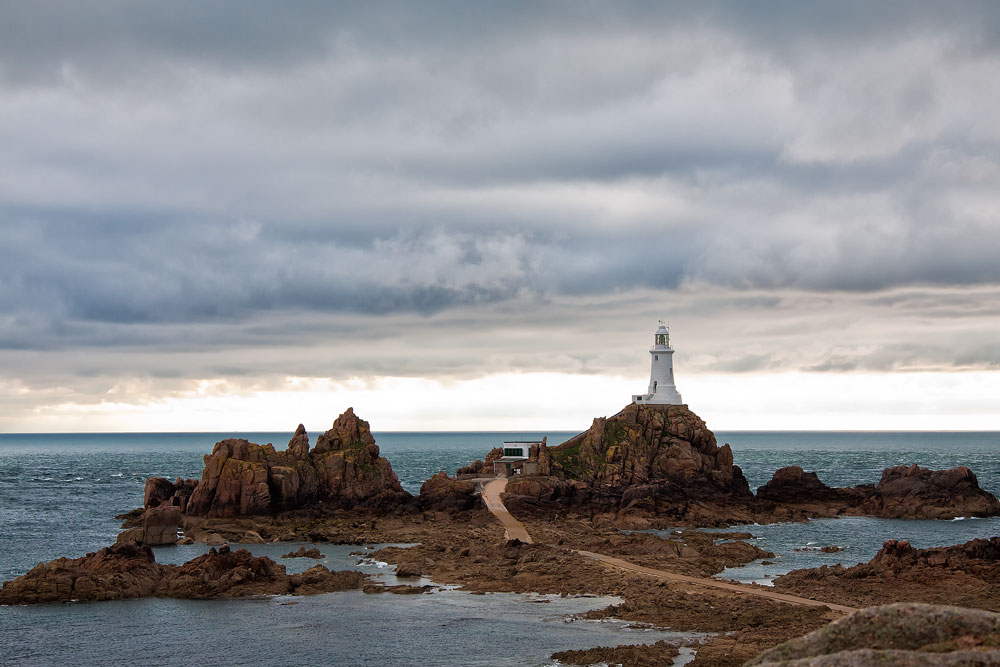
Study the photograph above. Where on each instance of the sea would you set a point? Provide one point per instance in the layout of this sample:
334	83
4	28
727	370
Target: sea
59	494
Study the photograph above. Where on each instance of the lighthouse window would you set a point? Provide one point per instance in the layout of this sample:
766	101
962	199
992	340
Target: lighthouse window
656	357
661	339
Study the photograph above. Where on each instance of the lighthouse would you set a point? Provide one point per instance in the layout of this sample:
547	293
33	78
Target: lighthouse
661	374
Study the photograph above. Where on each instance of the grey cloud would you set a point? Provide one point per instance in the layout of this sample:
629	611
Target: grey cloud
199	189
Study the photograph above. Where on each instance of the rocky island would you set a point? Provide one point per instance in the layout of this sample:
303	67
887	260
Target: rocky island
647	466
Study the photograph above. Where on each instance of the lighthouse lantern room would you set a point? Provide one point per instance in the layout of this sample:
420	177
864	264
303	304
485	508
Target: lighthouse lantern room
661	375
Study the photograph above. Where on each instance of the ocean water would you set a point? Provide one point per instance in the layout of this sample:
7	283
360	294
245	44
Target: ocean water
59	494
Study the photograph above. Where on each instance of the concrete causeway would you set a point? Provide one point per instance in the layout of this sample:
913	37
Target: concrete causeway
514	529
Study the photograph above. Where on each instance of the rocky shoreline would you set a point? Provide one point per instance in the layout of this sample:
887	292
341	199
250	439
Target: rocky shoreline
645	467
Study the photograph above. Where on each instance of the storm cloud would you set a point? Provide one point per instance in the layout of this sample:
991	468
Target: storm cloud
242	190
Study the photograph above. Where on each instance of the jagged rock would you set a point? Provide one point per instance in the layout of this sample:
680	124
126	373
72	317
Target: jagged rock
343	469
444	494
646	444
895	634
347	432
299	444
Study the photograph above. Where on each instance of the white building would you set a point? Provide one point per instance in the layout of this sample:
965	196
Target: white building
661	375
516	459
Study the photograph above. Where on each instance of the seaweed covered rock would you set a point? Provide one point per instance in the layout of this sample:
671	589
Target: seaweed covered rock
344	469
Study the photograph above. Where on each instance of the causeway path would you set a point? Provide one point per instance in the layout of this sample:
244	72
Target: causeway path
712	583
491	496
516	530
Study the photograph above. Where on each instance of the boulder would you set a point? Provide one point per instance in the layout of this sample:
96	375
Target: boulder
895	634
157	490
161	524
444	494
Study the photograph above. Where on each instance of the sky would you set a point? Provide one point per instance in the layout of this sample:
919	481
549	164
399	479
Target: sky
470	216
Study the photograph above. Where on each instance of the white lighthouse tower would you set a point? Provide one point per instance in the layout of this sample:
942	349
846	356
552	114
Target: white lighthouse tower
661	374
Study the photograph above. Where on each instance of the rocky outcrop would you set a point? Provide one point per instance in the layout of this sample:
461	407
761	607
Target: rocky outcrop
444	494
966	574
130	570
224	573
793	485
913	492
118	572
343	470
896	634
651	444
903	492
660	462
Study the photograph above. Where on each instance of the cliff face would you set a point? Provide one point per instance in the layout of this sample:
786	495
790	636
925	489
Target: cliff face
651	444
344	469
